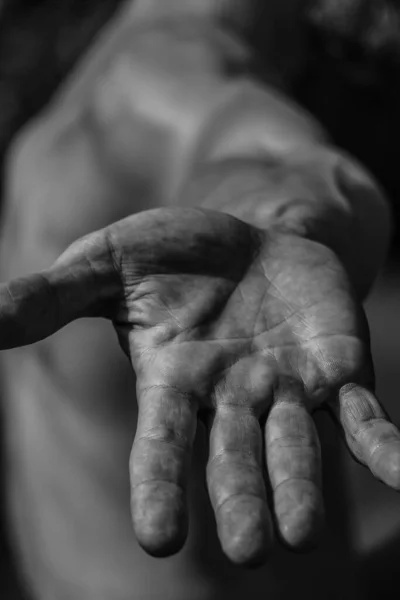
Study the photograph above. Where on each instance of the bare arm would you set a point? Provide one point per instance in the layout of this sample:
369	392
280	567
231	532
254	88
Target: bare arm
252	325
239	144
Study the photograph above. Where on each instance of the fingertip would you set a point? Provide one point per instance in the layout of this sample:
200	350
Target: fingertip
160	547
160	519
386	466
246	531
302	533
300	517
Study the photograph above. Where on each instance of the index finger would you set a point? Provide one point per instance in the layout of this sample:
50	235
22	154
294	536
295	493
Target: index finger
159	468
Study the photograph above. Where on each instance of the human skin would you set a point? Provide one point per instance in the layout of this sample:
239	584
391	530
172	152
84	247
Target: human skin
303	333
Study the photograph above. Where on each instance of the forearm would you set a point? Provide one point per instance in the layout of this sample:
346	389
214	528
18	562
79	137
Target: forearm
293	181
352	219
264	159
235	143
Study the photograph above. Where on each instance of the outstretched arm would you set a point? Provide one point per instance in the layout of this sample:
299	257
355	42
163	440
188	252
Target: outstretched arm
251	326
238	143
248	328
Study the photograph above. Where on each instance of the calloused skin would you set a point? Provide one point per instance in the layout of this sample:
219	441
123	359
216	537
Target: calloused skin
250	330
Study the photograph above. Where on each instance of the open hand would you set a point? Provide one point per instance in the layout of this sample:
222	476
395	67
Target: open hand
250	330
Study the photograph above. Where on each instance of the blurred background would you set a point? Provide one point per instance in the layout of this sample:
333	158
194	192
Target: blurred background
349	78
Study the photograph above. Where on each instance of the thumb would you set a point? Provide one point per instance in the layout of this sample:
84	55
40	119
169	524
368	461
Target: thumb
83	282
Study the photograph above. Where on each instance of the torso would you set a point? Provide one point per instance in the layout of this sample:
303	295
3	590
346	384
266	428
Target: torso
70	409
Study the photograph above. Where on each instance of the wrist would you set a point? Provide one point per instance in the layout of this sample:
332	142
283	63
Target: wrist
313	192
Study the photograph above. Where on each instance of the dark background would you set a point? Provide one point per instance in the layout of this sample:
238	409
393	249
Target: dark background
353	87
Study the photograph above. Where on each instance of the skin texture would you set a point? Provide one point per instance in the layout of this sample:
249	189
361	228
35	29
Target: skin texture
250	330
122	135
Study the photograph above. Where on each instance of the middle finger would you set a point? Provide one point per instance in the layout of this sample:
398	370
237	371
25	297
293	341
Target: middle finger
236	485
294	466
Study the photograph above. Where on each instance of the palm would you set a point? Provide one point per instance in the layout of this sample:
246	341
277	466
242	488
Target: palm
251	329
274	307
